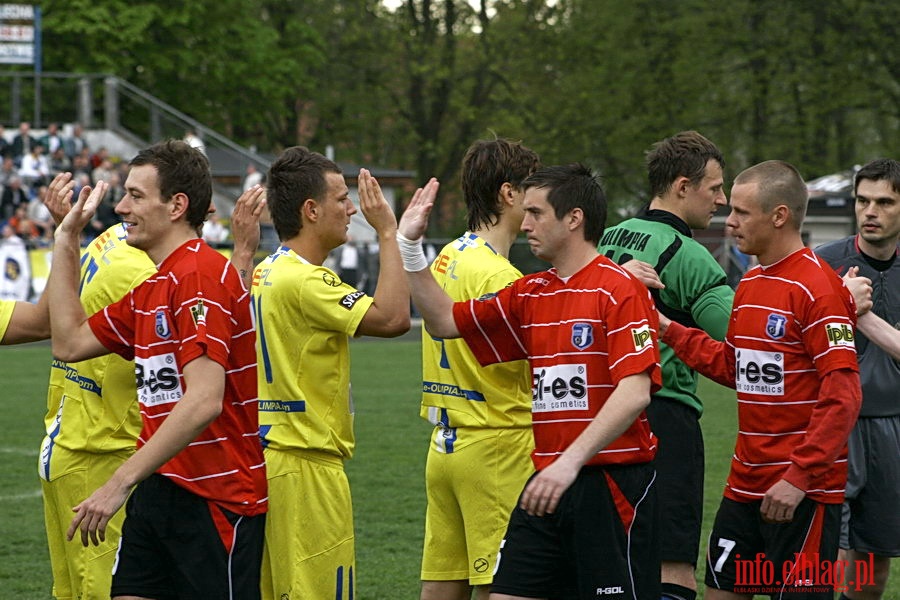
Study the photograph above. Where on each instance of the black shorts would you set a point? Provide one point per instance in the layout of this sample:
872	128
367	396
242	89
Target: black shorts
784	561
177	545
600	543
679	478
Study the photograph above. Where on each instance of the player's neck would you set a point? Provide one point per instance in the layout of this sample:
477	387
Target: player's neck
780	249
574	258
498	237
668	204
881	251
307	248
164	247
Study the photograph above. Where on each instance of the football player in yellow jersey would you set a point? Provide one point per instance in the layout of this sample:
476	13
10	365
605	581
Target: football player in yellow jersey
479	457
92	418
304	317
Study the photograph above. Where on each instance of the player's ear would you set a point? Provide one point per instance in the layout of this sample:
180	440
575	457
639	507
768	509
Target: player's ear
505	197
575	219
781	214
178	205
680	186
310	210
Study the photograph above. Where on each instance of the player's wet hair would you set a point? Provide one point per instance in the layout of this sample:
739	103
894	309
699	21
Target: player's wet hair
489	164
296	176
881	169
570	187
180	169
684	154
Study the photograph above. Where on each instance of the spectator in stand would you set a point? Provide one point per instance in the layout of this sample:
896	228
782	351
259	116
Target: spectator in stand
193	140
98	157
5	146
59	162
22	225
7	170
81	165
52	140
40	216
13	195
76	144
103	171
34	168
106	216
253	177
214	232
22	142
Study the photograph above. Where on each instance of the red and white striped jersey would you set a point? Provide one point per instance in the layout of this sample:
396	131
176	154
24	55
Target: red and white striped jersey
195	305
581	337
789	353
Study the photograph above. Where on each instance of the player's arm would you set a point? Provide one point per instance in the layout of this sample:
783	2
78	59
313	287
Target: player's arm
435	306
829	427
28	323
31	322
73	340
245	229
622	408
204	382
712	310
699	351
880	332
388	316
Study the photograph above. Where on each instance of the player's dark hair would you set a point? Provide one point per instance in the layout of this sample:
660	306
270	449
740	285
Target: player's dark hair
180	169
570	187
881	169
489	164
684	154
296	176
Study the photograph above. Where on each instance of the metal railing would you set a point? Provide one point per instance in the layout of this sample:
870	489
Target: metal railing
103	101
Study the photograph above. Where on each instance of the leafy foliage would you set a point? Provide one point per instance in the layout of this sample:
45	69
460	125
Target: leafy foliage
816	83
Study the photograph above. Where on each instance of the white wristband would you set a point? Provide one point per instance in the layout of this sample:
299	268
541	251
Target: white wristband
411	253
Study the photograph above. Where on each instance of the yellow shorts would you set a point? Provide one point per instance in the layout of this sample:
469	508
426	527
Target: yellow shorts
309	551
79	572
471	494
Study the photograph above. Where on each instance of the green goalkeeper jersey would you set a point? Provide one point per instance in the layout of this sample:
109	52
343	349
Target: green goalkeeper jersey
696	292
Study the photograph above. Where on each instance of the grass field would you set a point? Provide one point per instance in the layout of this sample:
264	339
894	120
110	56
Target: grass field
386	474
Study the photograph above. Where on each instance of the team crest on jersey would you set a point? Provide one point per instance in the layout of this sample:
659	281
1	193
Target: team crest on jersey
582	335
162	325
840	335
776	326
198	312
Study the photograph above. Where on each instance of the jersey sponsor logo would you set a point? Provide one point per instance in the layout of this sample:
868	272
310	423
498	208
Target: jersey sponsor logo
759	372
558	388
162	325
625	239
609	590
350	299
642	337
839	335
582	335
158	380
539	280
330	279
282	406
776	325
198	312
